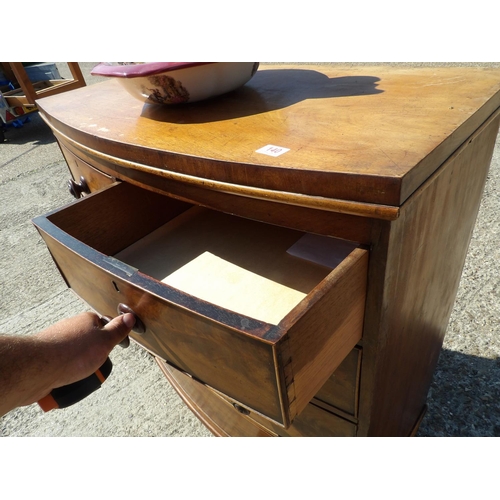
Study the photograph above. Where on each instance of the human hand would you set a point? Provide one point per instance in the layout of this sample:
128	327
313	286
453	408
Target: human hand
84	342
32	366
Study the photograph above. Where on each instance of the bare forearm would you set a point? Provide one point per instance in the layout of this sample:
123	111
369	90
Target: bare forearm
69	351
28	370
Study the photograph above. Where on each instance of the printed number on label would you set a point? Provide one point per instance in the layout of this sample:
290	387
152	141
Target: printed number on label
271	150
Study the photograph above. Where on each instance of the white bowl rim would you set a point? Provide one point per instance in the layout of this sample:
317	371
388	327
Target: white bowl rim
142	69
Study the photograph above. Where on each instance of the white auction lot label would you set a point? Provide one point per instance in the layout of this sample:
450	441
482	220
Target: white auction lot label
271	150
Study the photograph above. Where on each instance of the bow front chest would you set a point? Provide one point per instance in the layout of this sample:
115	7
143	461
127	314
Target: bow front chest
293	248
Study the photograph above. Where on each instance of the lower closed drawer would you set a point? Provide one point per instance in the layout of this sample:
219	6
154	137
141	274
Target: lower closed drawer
221	298
225	419
219	417
313	422
341	389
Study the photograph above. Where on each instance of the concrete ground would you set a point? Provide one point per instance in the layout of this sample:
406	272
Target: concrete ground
136	400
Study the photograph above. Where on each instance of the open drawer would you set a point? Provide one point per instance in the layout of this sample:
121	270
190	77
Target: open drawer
225	299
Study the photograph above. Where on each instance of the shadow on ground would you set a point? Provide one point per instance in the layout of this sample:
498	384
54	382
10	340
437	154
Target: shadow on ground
32	131
464	396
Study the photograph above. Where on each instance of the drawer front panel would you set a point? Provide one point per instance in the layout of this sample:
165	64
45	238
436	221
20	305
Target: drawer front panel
220	418
314	421
274	369
219	356
94	178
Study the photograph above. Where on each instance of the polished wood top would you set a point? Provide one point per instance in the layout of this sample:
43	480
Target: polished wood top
369	134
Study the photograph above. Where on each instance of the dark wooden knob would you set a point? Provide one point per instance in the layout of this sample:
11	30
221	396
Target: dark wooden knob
77	189
139	326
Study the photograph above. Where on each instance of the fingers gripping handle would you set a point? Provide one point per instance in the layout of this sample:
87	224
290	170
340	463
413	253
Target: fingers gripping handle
65	396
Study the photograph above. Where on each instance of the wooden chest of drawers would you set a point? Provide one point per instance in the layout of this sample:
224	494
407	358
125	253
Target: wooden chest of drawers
306	292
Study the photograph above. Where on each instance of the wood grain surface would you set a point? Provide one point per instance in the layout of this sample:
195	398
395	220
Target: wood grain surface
413	280
343	128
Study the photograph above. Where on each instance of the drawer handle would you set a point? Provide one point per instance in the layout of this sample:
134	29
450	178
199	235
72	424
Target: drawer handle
139	325
241	410
77	189
126	341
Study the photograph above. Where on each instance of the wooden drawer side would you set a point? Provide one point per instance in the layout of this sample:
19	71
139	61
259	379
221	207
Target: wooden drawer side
333	327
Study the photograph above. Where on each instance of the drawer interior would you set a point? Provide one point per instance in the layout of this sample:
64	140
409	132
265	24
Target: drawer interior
242	265
249	267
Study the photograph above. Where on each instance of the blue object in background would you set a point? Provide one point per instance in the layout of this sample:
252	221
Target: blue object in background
42	71
36	72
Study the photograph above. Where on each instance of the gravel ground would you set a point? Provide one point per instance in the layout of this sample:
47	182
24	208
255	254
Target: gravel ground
136	400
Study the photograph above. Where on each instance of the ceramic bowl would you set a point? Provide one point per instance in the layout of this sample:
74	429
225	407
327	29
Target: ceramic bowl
175	83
